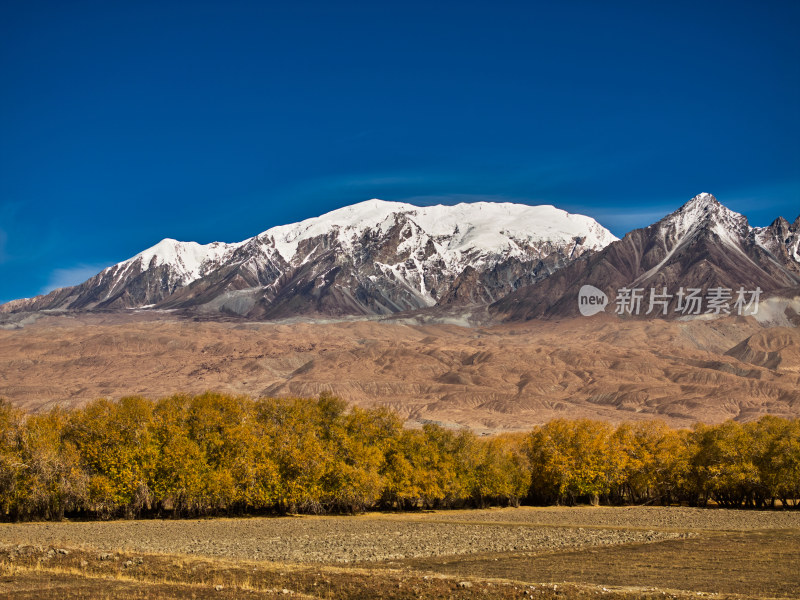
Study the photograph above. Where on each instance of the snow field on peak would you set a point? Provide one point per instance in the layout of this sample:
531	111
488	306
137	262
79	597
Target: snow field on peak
494	226
351	221
187	258
478	234
491	227
693	214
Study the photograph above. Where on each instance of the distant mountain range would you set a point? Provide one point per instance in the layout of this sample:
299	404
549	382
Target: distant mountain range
372	258
382	258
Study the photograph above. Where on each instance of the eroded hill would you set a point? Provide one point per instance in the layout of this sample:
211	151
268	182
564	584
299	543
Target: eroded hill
493	378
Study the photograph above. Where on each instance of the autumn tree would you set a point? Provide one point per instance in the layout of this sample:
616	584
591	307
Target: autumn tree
52	478
501	472
116	446
572	460
654	459
298	451
12	467
219	454
358	443
180	473
722	467
775	454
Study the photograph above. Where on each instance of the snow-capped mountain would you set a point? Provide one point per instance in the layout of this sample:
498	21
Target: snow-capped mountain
374	257
702	245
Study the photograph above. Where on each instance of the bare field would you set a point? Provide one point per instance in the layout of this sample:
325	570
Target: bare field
630	552
322	539
752	564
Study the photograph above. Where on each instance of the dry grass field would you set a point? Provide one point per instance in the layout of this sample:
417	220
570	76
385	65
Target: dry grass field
584	552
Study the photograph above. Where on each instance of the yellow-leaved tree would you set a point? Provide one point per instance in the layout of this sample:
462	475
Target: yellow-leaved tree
117	450
573	460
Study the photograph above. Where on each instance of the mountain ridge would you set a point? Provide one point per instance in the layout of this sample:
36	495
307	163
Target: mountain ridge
703	245
374	257
379	258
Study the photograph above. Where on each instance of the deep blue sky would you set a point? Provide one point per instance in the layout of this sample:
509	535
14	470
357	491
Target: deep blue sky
122	123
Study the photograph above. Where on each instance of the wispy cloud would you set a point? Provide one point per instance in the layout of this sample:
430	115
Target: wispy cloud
71	276
3	242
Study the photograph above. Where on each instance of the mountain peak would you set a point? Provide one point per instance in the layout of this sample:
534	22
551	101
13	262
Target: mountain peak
780	223
702	245
704	199
703	211
700	206
495	227
187	258
369	206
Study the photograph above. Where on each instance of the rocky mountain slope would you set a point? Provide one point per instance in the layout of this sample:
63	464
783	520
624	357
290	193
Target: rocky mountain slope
702	246
371	258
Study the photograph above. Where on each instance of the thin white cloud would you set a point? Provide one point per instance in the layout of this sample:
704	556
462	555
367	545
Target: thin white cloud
3	242
70	276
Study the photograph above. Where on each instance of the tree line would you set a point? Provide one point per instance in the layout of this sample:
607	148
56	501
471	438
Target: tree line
217	454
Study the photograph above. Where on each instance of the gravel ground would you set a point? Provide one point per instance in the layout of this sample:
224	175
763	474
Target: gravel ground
376	537
655	517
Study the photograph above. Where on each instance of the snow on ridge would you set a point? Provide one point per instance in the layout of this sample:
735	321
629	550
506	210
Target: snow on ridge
500	227
354	219
466	229
697	211
491	226
188	258
761	235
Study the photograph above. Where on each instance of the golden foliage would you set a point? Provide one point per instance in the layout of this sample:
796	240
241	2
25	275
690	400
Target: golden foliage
219	454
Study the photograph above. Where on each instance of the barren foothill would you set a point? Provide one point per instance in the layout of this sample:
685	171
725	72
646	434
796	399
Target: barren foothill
505	377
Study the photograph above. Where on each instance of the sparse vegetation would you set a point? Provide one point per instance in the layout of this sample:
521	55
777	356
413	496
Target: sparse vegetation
585	552
218	454
28	572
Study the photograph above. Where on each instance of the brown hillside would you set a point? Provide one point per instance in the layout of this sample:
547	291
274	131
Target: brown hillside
503	377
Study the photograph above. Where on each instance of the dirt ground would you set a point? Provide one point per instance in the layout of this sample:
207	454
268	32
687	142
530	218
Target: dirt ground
365	538
625	552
